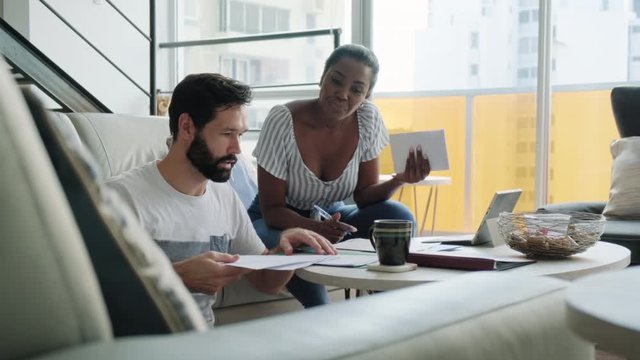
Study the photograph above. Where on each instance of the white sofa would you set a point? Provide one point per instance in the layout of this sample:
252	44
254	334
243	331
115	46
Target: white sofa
54	308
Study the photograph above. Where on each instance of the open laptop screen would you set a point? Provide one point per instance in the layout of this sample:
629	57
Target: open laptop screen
504	200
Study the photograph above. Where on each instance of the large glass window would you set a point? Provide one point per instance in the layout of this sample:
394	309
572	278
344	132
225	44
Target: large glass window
468	67
593	50
272	67
264	63
481	90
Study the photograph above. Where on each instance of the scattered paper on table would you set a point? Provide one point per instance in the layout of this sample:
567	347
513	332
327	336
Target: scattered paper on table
298	261
277	262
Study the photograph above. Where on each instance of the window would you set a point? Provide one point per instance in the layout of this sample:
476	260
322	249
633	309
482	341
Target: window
523	73
269	18
523	45
474	40
311	24
253	69
253	18
473	70
190	10
283	20
528	45
430	68
236	16
528	16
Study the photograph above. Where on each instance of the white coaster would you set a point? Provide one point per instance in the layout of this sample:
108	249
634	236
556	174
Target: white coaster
392	268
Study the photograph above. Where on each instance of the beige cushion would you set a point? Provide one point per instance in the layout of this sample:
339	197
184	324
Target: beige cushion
50	299
624	196
122	142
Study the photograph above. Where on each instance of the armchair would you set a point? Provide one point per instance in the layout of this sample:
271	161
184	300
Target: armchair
625	103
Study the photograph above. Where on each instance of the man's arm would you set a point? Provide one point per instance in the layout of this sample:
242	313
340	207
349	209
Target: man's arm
272	281
207	273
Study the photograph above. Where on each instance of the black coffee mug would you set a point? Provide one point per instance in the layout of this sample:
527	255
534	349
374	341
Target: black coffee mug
391	239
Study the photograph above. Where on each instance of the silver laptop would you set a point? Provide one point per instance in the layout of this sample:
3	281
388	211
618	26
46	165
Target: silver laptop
504	200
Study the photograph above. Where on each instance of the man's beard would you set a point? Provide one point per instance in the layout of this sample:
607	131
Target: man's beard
202	159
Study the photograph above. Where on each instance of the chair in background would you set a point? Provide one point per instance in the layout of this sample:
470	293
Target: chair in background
625	103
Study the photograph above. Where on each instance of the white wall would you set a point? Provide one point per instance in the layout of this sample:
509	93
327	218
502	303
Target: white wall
107	30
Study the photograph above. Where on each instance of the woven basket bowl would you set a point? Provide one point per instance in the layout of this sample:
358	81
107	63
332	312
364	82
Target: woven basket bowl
533	233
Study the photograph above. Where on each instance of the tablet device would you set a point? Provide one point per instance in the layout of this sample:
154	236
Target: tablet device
502	201
433	146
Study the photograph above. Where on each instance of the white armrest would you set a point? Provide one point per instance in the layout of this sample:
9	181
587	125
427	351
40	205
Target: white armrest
476	316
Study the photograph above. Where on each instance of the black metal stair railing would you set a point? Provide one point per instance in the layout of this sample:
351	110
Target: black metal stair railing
36	68
334	32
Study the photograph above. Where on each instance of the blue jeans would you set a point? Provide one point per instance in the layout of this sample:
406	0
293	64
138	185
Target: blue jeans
311	294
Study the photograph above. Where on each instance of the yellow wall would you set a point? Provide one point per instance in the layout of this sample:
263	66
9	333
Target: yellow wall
503	149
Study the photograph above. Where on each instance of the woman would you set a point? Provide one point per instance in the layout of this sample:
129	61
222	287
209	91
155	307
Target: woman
322	151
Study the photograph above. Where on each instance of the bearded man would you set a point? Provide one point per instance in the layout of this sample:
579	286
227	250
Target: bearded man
186	204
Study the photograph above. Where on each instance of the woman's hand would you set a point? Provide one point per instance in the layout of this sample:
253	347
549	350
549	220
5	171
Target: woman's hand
333	229
416	168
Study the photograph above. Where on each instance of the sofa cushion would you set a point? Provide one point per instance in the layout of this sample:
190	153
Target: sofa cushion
142	292
50	299
122	142
624	195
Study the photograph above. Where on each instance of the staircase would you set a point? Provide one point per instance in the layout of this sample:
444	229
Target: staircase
31	67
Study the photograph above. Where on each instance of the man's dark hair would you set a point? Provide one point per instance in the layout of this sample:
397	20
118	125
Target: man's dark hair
202	96
357	52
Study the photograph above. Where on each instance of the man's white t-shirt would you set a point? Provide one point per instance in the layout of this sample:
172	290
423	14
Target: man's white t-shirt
185	226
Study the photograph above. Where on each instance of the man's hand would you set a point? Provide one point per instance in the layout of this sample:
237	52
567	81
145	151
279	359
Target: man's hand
207	273
292	238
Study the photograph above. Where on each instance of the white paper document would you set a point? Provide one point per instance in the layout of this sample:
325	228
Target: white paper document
433	145
298	261
356	244
348	260
364	245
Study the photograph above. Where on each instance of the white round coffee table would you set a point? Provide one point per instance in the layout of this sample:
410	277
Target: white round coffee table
601	257
603	308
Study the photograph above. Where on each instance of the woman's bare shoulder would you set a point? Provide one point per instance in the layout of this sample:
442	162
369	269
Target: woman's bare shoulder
299	105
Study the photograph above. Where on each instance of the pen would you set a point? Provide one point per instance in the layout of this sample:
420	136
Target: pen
324	215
